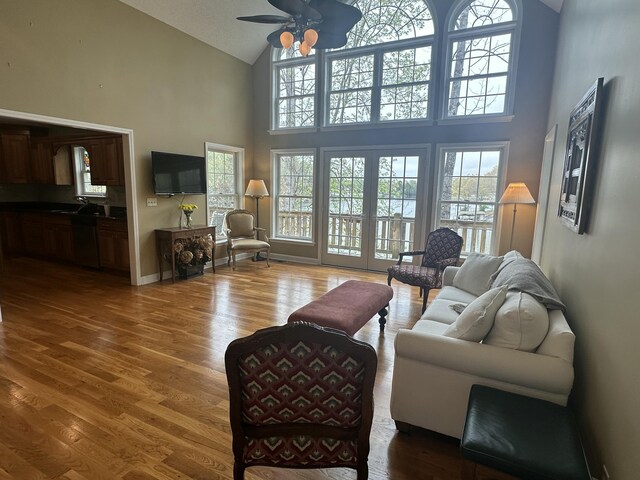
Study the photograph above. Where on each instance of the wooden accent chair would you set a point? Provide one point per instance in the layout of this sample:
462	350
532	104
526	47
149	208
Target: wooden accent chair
442	250
242	235
301	396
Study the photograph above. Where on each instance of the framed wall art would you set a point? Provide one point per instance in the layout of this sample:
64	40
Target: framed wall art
580	162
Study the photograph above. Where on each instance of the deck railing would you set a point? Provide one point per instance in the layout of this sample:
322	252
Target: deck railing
393	234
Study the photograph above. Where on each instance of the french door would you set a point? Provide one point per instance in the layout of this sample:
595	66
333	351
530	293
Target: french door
374	205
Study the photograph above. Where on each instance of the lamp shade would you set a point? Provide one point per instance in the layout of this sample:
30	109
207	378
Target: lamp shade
517	192
257	188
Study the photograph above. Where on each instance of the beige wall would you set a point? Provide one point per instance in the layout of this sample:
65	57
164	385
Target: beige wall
597	273
525	133
100	61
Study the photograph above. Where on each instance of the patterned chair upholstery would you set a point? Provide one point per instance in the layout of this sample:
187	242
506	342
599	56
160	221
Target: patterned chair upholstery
301	396
442	250
242	235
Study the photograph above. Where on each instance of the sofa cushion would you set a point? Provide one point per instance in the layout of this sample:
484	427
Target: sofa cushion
521	323
456	295
440	311
477	319
560	340
475	273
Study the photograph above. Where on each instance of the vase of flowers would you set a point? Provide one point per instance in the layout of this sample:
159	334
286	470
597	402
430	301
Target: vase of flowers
191	254
187	209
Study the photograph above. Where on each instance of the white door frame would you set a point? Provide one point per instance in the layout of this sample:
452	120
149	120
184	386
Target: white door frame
543	193
129	175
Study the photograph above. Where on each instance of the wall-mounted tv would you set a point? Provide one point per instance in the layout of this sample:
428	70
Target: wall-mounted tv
175	174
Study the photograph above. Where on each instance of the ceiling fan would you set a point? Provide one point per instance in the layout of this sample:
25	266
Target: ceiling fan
316	24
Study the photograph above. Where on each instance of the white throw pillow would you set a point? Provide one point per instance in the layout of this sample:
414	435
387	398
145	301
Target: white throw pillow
475	273
521	323
476	320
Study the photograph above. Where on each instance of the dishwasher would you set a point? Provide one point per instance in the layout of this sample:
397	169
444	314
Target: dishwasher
85	240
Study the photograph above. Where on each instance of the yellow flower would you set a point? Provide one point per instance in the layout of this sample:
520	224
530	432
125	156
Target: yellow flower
187	207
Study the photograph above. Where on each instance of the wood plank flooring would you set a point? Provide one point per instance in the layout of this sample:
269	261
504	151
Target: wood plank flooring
101	380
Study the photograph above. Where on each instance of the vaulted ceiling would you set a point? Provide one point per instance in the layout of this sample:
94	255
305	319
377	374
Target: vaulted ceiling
214	22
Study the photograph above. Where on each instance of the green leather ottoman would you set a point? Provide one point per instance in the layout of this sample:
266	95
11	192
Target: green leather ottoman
526	437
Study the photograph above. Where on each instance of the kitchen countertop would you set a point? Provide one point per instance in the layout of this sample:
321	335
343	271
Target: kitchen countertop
117	213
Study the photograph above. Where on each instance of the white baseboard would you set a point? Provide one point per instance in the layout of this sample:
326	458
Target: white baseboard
294	259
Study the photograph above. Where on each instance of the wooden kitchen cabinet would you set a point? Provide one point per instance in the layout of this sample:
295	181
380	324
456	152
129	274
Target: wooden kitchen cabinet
113	244
11	225
15	154
107	163
47	235
42	168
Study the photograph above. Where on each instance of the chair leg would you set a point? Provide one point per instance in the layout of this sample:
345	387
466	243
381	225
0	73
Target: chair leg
238	471
389	279
268	252
425	296
420	293
363	471
228	257
234	260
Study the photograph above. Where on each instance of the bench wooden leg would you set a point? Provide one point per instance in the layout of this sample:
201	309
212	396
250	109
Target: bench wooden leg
383	320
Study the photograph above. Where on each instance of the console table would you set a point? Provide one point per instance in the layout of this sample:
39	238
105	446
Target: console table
166	237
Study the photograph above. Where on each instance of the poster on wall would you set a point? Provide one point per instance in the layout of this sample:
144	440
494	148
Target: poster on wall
580	162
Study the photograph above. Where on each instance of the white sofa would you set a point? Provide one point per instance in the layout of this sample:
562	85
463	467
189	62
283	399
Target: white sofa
432	373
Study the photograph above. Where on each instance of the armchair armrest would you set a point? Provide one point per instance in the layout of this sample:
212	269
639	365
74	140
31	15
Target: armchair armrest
408	254
264	232
530	370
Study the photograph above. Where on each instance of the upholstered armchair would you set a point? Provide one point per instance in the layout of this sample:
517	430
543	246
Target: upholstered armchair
242	236
442	250
301	396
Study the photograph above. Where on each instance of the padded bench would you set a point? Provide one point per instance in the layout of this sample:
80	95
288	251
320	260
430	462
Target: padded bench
348	307
527	437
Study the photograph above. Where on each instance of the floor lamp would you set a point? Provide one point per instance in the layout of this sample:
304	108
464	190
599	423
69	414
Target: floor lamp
516	193
257	189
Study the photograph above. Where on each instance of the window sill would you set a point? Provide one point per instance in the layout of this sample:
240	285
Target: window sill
306	243
479	119
370	126
292	131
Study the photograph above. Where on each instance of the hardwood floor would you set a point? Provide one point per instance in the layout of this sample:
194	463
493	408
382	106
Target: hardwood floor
101	380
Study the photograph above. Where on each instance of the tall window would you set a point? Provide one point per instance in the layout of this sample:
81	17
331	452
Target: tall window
295	82
224	183
481	58
293	191
384	71
468	194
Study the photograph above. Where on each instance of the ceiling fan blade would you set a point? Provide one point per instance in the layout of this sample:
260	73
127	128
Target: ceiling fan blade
274	37
266	19
297	7
337	17
330	40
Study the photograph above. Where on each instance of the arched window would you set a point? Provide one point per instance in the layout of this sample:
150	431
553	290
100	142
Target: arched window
383	73
481	58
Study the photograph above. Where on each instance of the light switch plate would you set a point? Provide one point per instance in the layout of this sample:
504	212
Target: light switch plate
152	202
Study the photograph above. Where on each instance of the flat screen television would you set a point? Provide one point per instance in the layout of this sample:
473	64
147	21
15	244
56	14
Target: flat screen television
175	174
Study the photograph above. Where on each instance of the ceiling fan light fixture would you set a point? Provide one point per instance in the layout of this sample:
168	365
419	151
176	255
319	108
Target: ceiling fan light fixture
286	39
310	37
305	49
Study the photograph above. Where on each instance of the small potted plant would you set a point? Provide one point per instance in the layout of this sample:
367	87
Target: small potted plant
191	254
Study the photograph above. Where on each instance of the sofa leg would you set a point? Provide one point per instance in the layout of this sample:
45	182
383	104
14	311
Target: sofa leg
468	470
403	427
